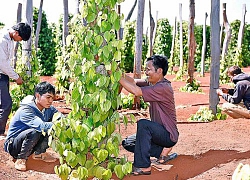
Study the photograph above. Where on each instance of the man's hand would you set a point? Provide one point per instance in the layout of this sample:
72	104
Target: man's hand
19	81
219	92
224	90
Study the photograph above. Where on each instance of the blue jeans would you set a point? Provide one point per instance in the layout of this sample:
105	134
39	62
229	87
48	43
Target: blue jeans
151	138
5	102
26	143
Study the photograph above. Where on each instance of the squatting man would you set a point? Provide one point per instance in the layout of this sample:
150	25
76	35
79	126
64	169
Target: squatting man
25	135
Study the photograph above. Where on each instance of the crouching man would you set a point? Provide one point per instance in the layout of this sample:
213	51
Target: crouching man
26	130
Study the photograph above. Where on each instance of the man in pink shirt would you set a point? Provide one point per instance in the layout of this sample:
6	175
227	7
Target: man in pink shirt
155	137
20	31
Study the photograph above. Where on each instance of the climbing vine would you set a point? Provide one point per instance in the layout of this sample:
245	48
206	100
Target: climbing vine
86	139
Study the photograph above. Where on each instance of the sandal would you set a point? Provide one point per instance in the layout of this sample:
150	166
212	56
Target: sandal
46	157
137	171
164	159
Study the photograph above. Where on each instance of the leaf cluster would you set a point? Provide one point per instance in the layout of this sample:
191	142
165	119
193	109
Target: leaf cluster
204	114
87	139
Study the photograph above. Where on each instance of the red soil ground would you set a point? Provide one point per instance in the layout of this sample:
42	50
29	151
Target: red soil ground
206	151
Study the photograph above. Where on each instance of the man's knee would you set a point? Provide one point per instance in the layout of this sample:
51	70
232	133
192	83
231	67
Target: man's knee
227	106
129	143
142	122
33	134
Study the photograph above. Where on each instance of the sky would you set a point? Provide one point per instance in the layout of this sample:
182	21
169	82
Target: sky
160	9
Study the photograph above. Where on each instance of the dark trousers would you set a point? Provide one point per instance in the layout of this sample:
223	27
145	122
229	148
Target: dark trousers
5	102
151	138
26	143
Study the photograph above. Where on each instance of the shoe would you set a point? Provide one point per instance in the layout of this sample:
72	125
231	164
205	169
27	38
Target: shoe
20	164
46	157
164	159
137	171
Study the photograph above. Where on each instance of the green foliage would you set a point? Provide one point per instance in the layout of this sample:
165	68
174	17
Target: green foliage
128	48
246	46
182	71
46	53
176	56
1	25
163	39
128	101
234	55
62	73
220	115
86	139
198	31
206	115
191	87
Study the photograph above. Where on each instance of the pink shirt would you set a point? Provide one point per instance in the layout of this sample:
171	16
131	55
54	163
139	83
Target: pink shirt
162	106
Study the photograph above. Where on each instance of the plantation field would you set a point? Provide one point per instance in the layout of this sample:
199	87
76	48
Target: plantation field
206	151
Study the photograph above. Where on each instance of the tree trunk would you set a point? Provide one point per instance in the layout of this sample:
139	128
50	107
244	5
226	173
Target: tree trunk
242	25
152	27
138	47
181	36
228	32
173	42
38	27
191	41
120	32
139	39
204	45
221	33
154	32
84	21
215	55
19	17
65	21
131	11
26	45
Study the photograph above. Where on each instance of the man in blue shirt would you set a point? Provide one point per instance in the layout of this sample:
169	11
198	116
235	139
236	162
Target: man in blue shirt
238	98
30	122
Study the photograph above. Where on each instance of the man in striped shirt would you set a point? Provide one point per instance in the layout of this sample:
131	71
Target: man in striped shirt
20	31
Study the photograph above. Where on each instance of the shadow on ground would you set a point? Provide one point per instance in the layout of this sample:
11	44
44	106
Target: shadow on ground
186	166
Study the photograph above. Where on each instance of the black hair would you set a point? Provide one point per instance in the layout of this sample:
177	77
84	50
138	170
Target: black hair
23	29
44	87
159	62
234	70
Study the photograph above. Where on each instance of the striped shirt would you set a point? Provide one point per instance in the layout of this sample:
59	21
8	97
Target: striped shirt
6	54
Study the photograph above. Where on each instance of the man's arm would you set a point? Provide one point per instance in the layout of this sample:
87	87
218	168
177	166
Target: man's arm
5	66
29	118
130	85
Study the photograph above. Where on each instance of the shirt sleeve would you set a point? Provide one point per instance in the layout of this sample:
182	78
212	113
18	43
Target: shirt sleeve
236	96
5	61
153	93
29	118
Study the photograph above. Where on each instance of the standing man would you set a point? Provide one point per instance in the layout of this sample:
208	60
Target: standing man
18	32
155	137
238	99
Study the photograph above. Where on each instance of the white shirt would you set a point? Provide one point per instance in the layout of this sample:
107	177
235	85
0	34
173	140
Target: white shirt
6	54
